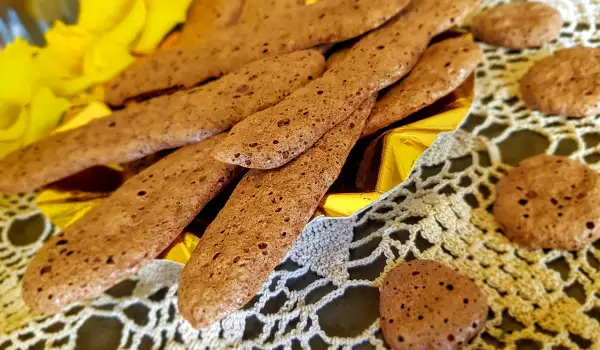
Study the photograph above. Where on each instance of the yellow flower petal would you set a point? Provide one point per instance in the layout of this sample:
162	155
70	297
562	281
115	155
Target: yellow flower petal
73	86
12	138
93	111
105	59
19	74
162	16
66	47
16	122
132	24
44	114
9	113
101	16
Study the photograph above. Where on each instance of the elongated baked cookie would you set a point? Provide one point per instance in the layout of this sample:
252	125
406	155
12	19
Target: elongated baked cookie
275	136
324	22
443	67
129	229
164	122
259	224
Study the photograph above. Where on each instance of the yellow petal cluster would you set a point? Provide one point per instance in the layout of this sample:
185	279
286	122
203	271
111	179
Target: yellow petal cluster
40	83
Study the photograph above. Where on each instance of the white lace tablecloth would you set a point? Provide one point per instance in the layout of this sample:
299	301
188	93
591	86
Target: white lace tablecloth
325	292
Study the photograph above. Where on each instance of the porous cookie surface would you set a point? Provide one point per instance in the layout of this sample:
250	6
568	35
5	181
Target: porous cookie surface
305	27
259	224
127	230
566	83
426	305
443	67
518	25
163	122
549	202
376	61
261	10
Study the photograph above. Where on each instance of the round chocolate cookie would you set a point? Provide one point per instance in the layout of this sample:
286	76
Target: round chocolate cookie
426	305
566	83
518	25
549	202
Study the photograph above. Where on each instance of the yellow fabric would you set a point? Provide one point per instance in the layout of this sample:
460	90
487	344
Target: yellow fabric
65	208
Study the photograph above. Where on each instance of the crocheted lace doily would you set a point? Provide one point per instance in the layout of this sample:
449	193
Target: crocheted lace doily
325	292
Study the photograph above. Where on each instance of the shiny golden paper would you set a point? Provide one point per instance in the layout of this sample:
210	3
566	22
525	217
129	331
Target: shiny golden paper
181	250
399	150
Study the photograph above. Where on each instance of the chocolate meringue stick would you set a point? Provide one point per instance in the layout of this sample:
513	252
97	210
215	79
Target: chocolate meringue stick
443	67
259	224
164	122
300	28
126	231
273	137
